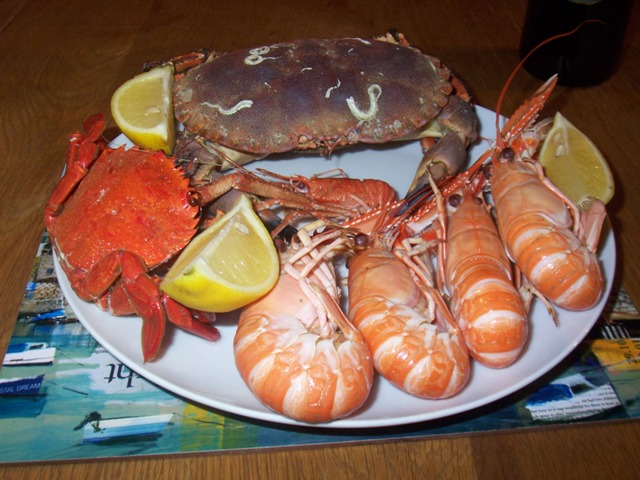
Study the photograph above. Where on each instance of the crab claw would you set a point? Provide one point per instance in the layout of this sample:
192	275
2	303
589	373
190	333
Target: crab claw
442	160
193	321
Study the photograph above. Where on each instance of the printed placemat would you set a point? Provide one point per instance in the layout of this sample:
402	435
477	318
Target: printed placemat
64	397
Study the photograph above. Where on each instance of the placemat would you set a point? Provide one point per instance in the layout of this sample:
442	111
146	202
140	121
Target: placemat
64	397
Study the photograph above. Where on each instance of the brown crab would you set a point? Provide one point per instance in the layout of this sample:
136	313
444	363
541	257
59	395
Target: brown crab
321	94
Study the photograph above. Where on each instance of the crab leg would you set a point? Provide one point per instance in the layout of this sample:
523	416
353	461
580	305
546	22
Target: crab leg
273	193
83	151
276	193
154	307
138	293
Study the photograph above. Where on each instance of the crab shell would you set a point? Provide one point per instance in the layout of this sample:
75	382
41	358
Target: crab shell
312	94
130	200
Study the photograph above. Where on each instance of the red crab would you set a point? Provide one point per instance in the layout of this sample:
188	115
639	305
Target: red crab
114	217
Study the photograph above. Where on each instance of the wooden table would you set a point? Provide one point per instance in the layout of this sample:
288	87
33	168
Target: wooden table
61	62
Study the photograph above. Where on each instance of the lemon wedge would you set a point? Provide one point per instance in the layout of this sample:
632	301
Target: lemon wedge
574	164
142	107
227	266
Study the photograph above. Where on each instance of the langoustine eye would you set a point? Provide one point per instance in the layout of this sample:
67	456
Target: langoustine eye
508	155
300	186
455	200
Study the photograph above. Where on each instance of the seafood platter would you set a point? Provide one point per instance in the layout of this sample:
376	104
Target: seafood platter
443	271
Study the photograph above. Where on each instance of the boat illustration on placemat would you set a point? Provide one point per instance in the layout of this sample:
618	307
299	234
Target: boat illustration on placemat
96	429
29	353
22	397
21	385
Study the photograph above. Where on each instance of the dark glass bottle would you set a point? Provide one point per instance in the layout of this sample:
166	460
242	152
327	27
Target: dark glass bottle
587	57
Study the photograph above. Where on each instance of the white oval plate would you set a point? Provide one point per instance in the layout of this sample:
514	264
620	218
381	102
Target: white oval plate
205	372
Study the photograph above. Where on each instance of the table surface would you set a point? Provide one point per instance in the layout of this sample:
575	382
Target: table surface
63	60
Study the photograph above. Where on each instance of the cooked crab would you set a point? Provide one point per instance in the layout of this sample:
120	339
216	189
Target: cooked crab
319	94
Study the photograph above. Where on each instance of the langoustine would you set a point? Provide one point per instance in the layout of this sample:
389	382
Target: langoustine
550	240
415	342
294	347
479	279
